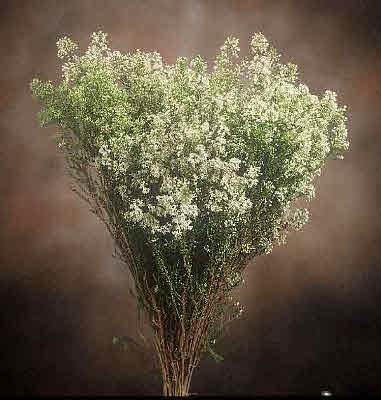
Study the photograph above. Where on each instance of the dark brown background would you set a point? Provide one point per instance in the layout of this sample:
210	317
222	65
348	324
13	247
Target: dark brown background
313	306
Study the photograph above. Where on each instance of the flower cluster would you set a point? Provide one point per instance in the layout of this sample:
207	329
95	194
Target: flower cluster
238	144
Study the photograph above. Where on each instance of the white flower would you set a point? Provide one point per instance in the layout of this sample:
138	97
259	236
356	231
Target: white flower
179	142
259	42
205	126
219	101
66	47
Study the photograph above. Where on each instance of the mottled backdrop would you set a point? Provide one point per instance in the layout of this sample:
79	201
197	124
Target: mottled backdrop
313	317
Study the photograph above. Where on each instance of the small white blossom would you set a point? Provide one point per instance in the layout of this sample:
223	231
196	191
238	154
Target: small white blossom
66	47
205	127
180	143
259	42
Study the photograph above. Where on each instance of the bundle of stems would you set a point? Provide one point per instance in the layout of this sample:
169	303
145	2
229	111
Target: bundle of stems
193	174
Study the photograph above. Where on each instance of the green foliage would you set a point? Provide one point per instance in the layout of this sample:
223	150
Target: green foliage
199	171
